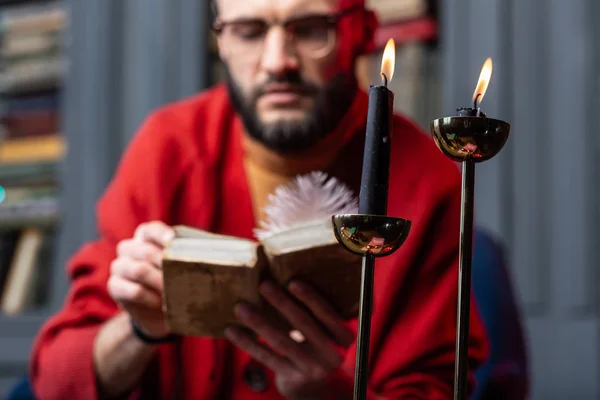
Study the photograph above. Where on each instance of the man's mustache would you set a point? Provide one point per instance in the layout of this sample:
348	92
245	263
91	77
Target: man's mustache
294	80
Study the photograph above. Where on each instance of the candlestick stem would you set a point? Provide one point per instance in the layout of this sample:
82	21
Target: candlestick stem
464	280
364	328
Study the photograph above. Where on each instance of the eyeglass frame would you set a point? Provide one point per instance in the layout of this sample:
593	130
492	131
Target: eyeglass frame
332	20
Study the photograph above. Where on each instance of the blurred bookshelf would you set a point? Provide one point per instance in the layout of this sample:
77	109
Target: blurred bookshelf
32	147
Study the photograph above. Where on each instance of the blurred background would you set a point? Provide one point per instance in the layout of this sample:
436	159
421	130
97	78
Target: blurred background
77	78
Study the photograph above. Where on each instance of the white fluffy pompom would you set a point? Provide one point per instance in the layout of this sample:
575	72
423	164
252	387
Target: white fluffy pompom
310	197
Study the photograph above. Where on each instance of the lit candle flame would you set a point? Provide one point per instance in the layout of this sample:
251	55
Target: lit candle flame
484	80
388	61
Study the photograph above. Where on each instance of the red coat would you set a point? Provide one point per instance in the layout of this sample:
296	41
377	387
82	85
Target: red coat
185	166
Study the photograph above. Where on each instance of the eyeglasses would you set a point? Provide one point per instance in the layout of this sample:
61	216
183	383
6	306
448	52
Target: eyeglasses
312	35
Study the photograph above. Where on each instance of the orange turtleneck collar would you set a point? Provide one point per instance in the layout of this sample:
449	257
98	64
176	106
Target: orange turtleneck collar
267	169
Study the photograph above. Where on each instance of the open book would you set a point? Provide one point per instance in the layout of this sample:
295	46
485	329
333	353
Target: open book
206	274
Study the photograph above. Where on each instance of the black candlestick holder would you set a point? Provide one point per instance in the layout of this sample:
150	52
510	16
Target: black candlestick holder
469	139
371	236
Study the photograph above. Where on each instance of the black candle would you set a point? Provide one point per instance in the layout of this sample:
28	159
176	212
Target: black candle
376	160
373	201
470	112
475	111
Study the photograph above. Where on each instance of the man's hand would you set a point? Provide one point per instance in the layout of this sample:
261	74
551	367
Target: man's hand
136	276
301	368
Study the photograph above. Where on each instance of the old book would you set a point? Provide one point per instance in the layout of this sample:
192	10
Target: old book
35	149
34	17
36	123
22	270
206	274
33	74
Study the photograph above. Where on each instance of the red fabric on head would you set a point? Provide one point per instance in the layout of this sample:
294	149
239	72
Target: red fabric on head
351	3
356	31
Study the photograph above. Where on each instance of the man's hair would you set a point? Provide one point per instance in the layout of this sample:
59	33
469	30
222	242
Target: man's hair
214	9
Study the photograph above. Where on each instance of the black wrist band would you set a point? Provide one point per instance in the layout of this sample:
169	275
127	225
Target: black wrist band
150	339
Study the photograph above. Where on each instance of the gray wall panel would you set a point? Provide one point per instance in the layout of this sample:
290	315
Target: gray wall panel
529	146
91	119
568	154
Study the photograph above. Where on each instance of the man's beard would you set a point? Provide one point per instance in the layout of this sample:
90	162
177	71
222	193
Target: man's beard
331	103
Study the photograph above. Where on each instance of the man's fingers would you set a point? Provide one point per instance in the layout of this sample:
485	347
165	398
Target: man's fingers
141	272
276	338
258	351
324	312
127	292
303	322
142	251
156	232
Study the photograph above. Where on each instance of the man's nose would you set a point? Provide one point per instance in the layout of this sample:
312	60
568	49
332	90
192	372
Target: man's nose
277	57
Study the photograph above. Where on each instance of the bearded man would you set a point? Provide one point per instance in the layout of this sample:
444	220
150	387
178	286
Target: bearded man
290	105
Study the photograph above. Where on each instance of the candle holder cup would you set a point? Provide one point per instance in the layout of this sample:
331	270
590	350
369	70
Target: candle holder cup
474	138
379	235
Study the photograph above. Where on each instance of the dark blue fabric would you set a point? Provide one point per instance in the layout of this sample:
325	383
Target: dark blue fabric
21	391
505	375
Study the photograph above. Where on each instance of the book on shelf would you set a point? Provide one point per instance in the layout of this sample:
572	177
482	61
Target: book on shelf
29	205
23	105
33	74
19	291
8	243
30	116
18	46
36	149
33	173
33	123
27	17
205	274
